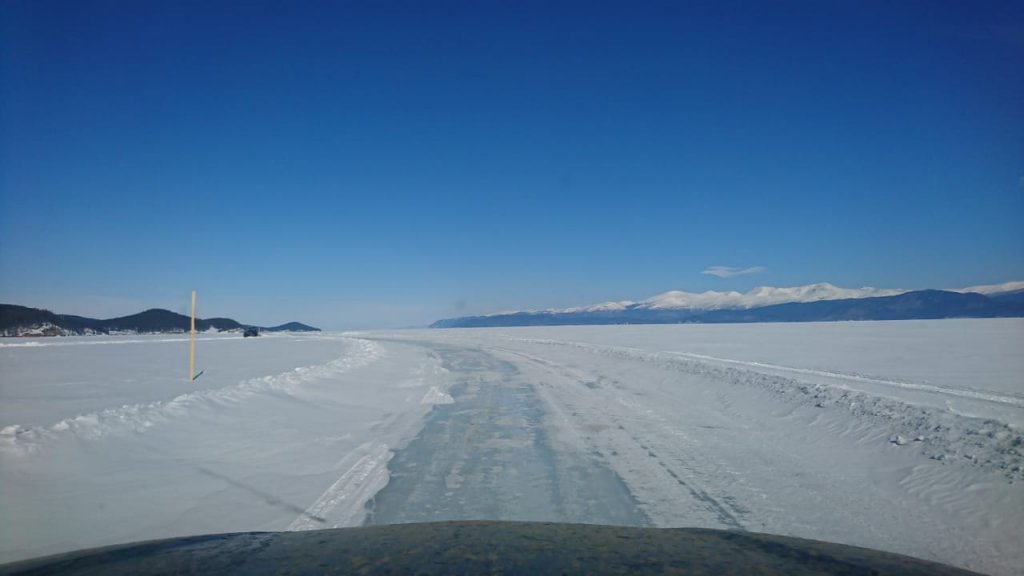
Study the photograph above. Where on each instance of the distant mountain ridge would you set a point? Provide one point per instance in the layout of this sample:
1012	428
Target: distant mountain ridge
812	303
24	321
761	296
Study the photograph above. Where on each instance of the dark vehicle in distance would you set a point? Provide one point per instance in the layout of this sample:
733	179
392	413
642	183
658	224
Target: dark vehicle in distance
251	331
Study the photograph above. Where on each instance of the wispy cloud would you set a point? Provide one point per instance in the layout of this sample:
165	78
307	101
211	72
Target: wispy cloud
729	271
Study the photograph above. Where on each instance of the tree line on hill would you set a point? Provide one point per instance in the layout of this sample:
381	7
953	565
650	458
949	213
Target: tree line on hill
24	321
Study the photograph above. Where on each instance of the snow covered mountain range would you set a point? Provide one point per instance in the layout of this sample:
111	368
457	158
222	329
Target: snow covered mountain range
859	304
761	296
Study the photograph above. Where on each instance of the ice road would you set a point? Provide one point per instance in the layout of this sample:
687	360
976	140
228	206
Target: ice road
899	436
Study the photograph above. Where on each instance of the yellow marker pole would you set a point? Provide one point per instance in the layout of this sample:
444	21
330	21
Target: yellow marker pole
192	343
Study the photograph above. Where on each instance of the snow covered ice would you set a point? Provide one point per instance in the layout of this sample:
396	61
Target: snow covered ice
900	436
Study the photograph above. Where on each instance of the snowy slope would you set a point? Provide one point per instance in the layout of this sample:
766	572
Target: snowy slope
993	289
712	300
761	296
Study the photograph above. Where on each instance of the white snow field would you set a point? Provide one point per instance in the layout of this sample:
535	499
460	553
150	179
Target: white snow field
900	436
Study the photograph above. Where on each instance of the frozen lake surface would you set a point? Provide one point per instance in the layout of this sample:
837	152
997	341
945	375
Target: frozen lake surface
899	436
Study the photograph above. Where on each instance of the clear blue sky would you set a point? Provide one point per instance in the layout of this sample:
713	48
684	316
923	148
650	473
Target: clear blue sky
365	164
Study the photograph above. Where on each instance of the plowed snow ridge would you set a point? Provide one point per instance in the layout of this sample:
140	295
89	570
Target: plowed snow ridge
15	439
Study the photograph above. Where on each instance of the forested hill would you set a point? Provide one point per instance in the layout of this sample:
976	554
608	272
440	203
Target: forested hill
24	321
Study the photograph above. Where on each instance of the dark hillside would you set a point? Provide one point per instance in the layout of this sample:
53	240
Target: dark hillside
23	321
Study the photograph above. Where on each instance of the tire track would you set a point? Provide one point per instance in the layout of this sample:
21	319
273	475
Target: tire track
675	481
489	456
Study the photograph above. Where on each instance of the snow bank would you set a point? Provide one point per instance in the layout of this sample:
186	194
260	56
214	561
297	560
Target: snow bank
299	448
